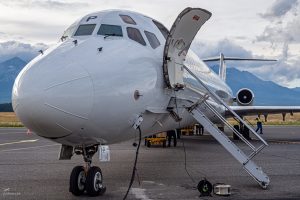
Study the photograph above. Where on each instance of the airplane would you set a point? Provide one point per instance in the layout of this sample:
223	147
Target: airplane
116	72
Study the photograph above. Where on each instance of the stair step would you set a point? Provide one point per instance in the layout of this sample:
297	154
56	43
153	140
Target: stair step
255	171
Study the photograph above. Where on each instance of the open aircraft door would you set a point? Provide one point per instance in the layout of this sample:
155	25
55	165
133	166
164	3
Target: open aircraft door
178	42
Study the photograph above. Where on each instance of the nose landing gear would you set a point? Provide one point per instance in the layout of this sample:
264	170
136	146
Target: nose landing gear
77	181
86	179
93	182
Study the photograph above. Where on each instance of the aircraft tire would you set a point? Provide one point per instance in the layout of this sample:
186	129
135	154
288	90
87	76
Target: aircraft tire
93	182
77	181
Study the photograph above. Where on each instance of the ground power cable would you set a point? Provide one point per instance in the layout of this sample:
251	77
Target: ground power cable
135	162
184	149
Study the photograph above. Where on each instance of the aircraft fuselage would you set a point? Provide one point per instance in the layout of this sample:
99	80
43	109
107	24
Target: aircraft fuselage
90	89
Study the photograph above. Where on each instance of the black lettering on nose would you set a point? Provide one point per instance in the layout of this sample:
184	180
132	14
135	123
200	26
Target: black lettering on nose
91	17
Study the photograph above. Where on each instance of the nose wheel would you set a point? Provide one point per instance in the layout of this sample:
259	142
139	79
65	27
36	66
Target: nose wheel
86	179
77	181
93	182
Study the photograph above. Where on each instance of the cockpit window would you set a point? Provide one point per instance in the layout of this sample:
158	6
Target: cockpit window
154	42
162	28
127	19
69	32
135	35
110	30
85	29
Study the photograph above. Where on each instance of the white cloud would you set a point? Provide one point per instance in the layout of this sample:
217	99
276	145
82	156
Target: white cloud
280	8
45	4
283	27
285	71
24	51
229	49
231	29
282	32
225	46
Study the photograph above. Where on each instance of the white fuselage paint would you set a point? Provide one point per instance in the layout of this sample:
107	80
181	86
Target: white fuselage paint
76	94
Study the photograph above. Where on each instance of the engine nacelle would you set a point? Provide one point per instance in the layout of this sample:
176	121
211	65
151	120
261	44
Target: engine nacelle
244	97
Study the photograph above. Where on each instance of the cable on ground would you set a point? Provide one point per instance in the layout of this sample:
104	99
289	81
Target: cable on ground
135	162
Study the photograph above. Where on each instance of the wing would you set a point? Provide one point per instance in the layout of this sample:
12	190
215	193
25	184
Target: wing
262	110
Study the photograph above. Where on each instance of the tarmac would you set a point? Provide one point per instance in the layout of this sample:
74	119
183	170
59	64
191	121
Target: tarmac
30	169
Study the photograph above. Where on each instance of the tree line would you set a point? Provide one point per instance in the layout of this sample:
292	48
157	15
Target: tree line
6	107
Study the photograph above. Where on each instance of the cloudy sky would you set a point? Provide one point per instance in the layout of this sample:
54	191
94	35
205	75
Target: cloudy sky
264	29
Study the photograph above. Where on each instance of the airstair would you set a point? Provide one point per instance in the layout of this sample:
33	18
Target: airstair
178	42
245	159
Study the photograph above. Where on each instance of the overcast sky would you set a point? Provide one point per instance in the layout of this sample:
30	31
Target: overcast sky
256	28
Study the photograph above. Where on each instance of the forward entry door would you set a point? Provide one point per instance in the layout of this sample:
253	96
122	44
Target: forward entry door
178	42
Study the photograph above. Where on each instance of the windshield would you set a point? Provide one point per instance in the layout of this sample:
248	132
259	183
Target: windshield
110	30
85	29
69	32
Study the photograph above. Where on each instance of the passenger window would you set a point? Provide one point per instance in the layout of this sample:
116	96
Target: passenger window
110	30
85	29
154	42
127	19
135	35
161	28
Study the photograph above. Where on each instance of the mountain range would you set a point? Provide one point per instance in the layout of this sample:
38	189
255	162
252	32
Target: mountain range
9	70
266	92
296	89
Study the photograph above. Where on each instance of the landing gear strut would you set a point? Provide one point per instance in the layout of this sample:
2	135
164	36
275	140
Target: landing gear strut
86	178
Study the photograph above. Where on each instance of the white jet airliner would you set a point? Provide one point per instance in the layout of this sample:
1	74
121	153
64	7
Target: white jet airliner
116	71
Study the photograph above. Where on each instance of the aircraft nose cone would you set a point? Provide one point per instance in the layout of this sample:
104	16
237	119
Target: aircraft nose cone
53	97
27	96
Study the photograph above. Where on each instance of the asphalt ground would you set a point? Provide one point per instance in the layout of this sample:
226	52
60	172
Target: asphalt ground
30	169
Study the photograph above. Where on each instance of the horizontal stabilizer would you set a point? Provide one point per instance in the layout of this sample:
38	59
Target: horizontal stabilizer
236	58
222	58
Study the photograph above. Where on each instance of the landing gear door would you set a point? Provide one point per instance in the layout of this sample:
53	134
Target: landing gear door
178	42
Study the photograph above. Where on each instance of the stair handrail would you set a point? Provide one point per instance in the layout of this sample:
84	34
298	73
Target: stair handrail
216	97
252	125
231	127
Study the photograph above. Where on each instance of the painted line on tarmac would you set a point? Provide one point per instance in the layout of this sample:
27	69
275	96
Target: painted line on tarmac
24	132
12	128
283	142
18	142
279	141
139	193
36	147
